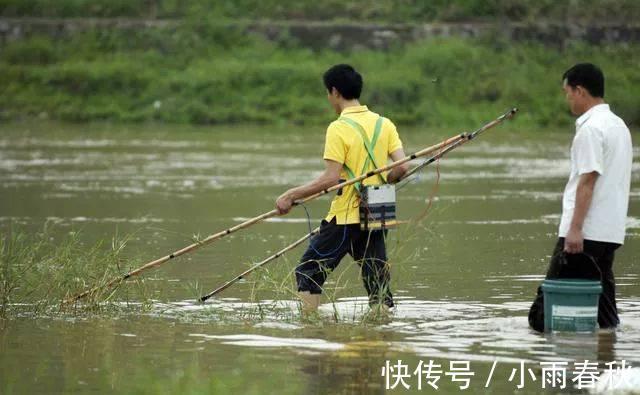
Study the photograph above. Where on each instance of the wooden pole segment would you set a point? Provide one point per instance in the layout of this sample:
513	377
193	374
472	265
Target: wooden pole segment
259	264
175	254
455	144
388	167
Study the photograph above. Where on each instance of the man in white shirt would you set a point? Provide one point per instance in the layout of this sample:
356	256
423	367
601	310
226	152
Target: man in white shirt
596	198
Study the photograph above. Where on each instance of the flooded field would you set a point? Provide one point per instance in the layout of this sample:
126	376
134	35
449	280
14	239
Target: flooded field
463	279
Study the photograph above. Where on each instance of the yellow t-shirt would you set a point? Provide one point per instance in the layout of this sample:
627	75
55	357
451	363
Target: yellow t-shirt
344	145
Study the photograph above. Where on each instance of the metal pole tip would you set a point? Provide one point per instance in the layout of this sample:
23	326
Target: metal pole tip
509	114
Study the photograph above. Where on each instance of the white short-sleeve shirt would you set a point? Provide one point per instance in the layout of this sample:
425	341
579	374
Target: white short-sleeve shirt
602	144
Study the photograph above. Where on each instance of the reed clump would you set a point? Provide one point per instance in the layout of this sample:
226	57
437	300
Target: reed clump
40	269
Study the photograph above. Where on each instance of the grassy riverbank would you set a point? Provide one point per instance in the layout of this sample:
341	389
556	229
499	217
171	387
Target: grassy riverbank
209	74
207	70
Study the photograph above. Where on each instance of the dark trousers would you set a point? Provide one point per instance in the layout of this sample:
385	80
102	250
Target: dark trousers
331	244
595	263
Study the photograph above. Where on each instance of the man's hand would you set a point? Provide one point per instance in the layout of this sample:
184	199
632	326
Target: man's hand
573	243
397	172
325	180
284	203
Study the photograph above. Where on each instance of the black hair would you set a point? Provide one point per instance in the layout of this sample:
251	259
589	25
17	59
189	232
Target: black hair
345	79
587	75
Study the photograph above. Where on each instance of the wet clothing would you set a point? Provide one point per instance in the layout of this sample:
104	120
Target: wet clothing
595	263
331	244
344	144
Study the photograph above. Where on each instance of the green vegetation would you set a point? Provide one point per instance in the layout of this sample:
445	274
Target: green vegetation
209	73
402	11
37	272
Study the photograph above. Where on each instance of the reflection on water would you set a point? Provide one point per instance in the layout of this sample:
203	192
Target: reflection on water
463	280
270	341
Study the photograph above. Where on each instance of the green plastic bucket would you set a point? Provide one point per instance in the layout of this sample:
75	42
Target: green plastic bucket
571	305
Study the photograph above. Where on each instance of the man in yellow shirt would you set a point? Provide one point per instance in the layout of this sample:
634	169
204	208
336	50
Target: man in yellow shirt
345	154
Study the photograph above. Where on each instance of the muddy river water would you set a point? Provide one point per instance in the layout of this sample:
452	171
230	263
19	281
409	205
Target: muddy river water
463	279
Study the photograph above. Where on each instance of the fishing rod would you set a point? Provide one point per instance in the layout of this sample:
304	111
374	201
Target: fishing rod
273	213
467	137
440	154
258	265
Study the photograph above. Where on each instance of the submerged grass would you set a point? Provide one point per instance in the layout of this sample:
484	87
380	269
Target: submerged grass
40	269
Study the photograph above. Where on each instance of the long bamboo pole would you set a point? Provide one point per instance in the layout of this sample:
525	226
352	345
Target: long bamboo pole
273	213
456	144
258	265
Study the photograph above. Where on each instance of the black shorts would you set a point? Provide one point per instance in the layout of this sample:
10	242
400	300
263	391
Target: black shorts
331	244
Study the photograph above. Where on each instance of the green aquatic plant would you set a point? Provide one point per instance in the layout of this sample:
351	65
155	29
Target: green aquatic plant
39	269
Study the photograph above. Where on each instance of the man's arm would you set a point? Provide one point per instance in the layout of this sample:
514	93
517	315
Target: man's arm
327	179
397	172
573	242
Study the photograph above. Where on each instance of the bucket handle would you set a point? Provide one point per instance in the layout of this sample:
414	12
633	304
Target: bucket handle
565	261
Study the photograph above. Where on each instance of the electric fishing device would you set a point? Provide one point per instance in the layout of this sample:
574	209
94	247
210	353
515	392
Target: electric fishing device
441	148
377	206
